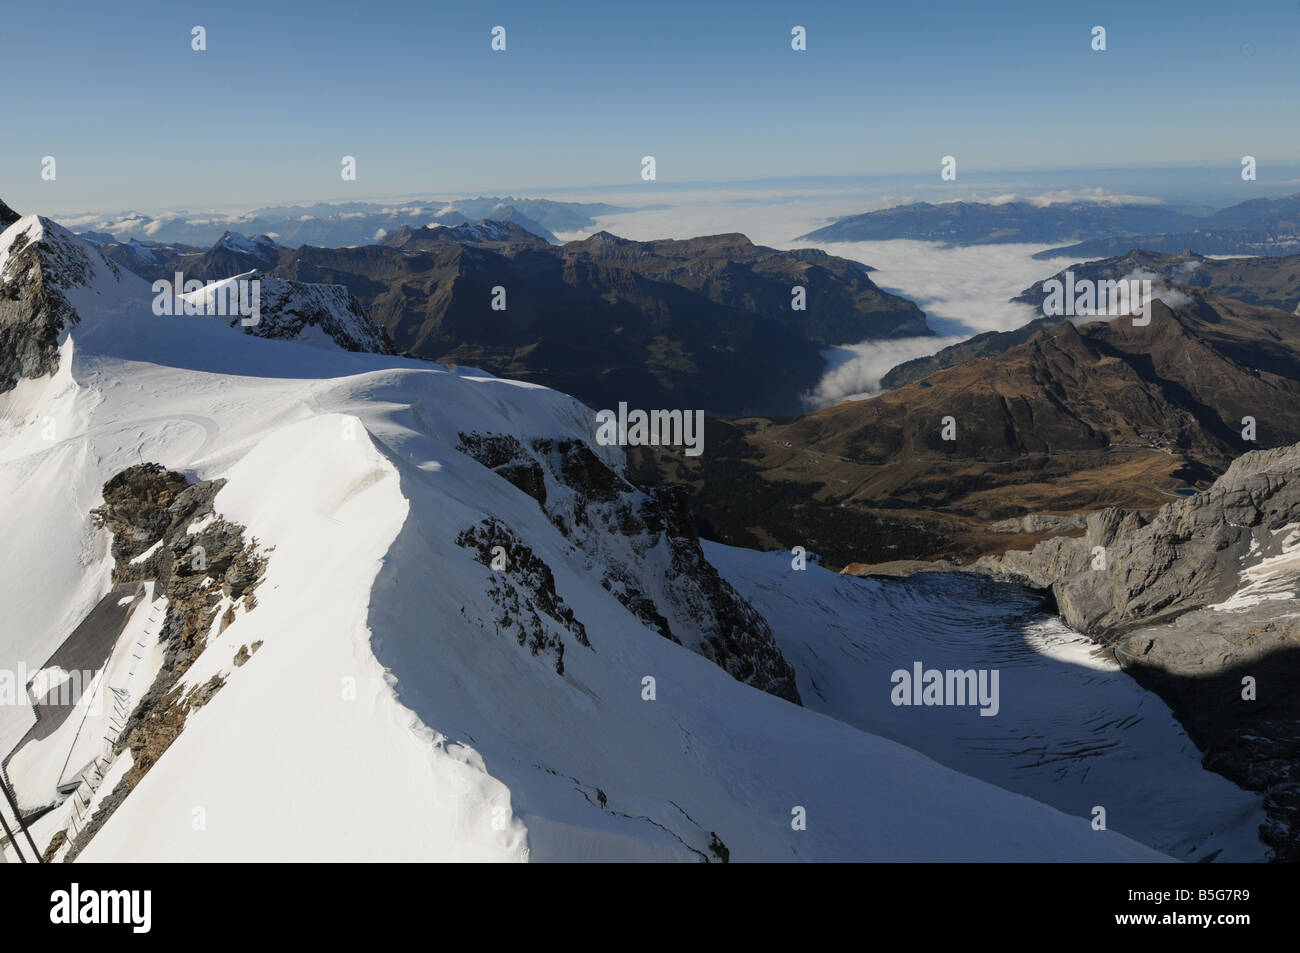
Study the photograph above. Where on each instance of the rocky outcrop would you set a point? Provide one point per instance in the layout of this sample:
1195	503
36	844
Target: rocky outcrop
643	546
288	308
39	262
1039	523
531	610
1199	604
1126	571
165	529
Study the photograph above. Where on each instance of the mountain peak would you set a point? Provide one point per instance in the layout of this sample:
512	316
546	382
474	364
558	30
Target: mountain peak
484	230
41	264
603	237
240	243
65	259
7	216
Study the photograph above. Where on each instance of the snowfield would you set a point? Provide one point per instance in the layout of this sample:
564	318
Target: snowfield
384	718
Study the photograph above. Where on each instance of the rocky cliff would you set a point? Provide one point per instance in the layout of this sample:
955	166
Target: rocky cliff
642	546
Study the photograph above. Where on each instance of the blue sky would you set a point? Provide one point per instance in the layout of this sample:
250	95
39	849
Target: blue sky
135	118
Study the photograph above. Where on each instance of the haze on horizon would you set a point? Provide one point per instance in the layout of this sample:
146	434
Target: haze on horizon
136	118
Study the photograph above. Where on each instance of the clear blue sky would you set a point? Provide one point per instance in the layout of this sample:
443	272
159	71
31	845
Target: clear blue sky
135	118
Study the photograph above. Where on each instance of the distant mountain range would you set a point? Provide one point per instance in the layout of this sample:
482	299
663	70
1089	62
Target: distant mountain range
347	223
1068	419
1091	229
705	323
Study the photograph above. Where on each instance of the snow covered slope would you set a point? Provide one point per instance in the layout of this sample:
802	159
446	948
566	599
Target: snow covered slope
407	700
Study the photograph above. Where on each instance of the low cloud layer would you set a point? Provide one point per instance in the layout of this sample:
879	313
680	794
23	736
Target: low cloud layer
963	291
855	371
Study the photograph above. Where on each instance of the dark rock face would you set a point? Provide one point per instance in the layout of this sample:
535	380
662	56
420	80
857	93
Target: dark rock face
136	508
1199	604
43	261
524	590
644	546
290	307
33	313
7	216
505	455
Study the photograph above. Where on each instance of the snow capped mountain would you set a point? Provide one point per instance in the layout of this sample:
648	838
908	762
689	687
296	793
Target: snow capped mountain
295	309
260	245
142	251
371	607
486	230
44	269
502	212
340	224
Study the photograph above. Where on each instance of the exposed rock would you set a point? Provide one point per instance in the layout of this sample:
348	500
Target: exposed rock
288	308
1039	523
719	849
702	323
199	562
136	510
643	544
39	261
1187	557
60	836
524	590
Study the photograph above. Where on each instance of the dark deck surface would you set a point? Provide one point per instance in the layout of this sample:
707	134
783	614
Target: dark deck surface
86	650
